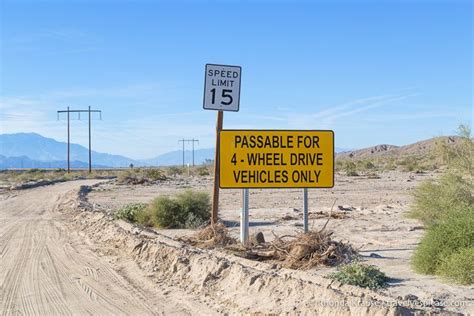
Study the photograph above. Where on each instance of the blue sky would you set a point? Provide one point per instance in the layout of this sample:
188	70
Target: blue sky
373	71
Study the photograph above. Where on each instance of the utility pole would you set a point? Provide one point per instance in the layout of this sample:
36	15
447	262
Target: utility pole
182	140
193	141
188	140
68	142
68	111
90	147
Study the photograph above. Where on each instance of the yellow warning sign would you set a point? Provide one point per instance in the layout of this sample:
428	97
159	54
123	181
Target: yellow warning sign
276	159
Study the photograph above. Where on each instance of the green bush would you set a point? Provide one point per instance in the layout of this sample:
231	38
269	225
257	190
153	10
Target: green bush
155	174
35	170
459	267
350	169
127	176
442	240
410	164
446	206
188	209
434	201
362	275
130	211
203	171
140	176
175	170
368	165
144	217
459	157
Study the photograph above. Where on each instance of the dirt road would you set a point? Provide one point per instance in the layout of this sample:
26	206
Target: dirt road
46	269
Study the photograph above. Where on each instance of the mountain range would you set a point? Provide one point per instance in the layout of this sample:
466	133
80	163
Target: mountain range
32	150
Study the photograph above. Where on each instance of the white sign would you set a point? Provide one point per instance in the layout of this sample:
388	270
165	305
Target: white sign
222	87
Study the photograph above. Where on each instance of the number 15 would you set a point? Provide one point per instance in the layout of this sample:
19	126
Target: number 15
225	94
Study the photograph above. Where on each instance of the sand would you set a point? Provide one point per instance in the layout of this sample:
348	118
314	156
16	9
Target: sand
375	223
62	253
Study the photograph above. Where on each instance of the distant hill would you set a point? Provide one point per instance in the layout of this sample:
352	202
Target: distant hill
419	148
31	150
25	162
176	157
42	149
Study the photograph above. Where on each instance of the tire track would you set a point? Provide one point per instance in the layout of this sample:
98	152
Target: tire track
48	270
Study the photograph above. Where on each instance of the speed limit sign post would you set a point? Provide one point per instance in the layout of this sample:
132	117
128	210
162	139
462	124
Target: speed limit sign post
221	93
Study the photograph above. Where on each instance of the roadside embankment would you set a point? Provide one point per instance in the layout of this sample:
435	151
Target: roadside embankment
236	284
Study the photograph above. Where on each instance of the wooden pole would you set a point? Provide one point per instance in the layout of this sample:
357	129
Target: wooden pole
90	146
68	143
193	151
215	196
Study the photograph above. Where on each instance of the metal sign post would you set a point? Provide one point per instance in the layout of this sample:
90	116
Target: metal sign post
305	210
244	217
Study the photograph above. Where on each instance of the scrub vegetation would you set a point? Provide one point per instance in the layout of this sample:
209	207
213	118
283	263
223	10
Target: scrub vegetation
362	275
141	176
132	176
130	211
188	209
446	207
404	163
15	178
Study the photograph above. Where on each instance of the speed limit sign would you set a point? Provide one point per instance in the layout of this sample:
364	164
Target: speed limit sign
222	87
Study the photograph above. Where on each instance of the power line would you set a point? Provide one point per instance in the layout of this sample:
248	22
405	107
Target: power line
191	141
89	111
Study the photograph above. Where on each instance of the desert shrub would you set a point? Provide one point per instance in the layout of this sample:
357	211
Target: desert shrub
364	165
459	157
390	164
165	212
188	209
350	169
339	165
442	240
155	174
193	221
362	275
144	217
447	207
410	164
175	170
127	177
435	200
368	165
132	176
459	267
130	211
36	170
203	171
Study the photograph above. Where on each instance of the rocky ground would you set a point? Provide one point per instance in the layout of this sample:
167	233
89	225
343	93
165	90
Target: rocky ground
371	216
62	252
